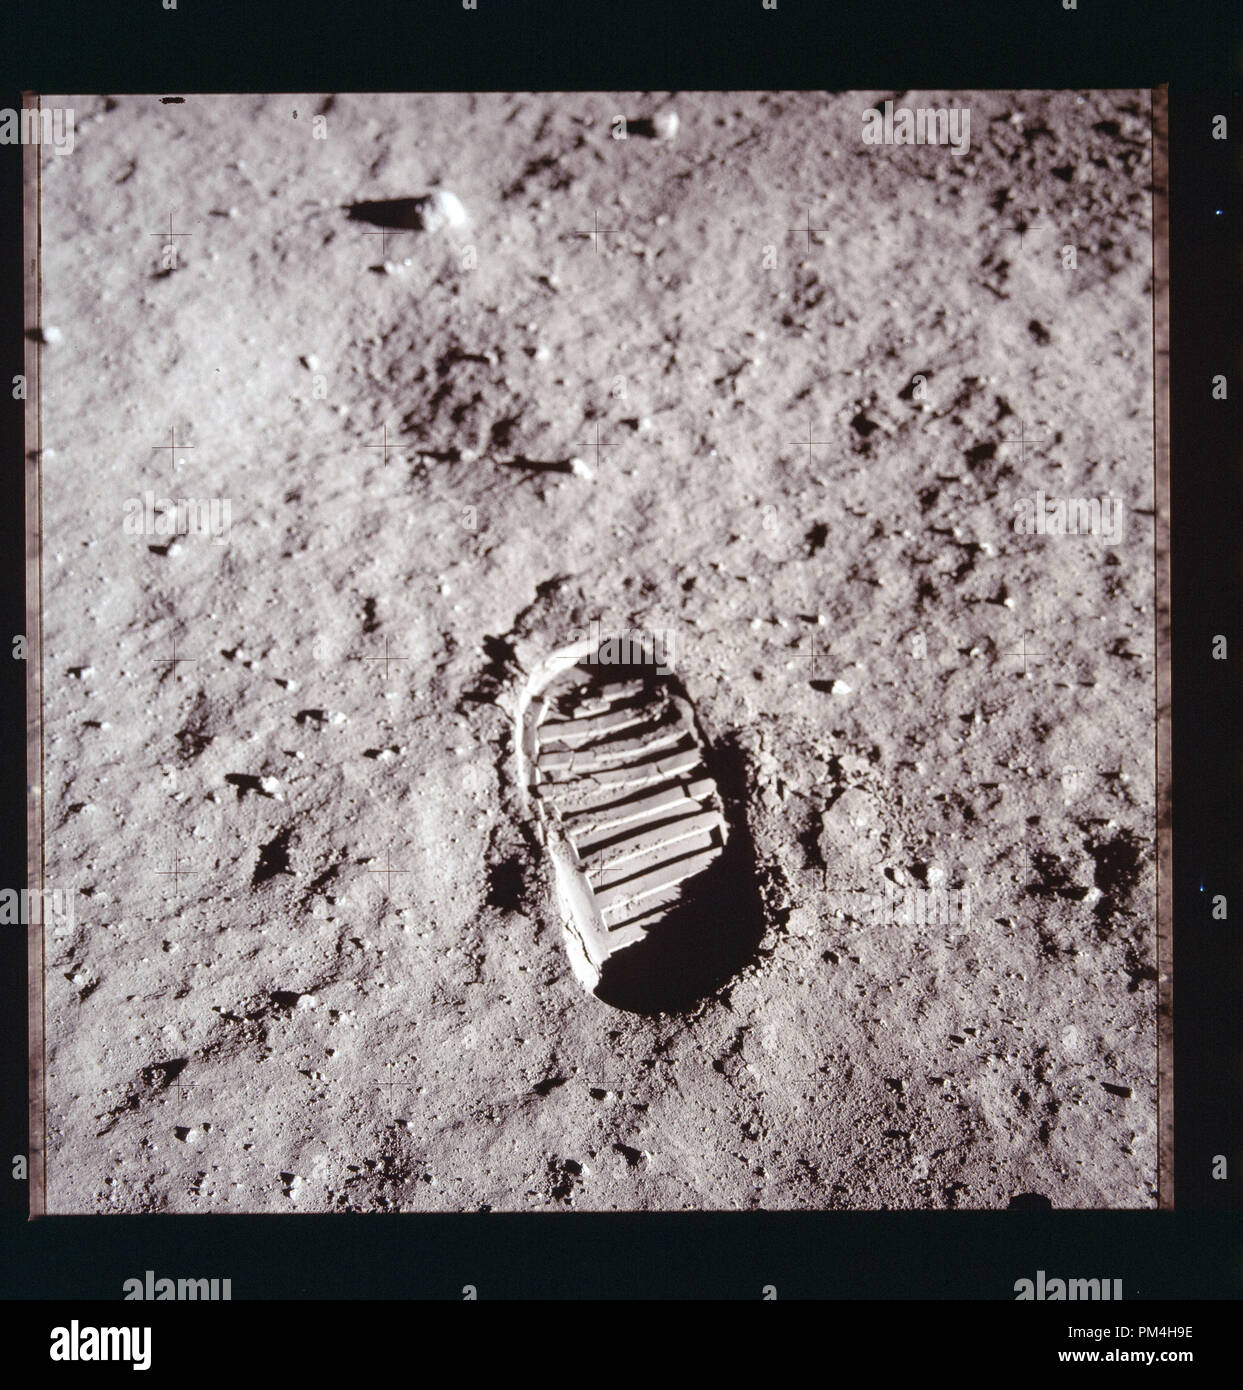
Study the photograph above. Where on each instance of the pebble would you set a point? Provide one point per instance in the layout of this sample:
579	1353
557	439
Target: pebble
443	209
310	362
666	125
581	469
853	807
50	335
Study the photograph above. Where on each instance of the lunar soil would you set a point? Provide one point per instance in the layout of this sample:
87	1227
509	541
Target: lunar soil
472	373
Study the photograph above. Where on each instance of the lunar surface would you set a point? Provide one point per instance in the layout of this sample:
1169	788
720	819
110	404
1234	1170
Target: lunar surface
355	408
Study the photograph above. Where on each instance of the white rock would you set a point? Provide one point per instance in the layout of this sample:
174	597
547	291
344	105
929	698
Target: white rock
666	125
442	209
581	469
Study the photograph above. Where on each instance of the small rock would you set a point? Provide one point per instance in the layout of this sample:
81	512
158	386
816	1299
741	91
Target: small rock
50	335
854	808
310	362
581	469
665	125
442	209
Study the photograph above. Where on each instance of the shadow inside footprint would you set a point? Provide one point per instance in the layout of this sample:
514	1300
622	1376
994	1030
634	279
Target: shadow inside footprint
699	946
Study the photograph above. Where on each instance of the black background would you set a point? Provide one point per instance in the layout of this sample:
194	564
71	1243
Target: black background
1193	1253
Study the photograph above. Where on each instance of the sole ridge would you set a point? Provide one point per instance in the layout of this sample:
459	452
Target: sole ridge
648	834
